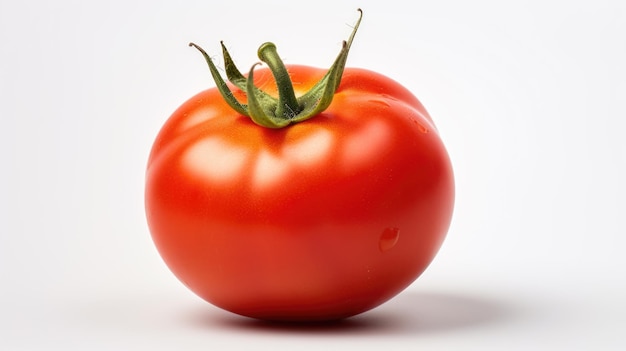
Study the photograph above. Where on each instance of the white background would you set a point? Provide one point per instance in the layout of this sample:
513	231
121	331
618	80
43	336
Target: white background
529	98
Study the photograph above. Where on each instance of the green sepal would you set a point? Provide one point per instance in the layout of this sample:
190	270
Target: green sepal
237	78
221	84
268	111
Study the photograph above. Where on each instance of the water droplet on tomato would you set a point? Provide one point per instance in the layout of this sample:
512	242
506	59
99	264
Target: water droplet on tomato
388	239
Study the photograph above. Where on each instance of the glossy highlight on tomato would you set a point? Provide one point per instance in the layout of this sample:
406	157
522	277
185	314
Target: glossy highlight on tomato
317	220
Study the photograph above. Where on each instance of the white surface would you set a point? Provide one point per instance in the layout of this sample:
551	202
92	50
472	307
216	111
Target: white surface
529	99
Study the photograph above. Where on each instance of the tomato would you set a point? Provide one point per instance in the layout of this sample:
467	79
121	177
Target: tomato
317	220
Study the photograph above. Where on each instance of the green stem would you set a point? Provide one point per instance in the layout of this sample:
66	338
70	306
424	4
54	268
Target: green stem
288	105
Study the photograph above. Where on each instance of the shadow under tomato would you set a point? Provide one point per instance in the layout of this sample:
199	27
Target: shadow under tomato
409	313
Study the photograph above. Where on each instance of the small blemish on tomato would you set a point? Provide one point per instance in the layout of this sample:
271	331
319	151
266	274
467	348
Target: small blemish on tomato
380	102
420	127
388	239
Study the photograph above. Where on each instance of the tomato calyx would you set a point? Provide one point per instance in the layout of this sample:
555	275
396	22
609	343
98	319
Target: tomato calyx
266	110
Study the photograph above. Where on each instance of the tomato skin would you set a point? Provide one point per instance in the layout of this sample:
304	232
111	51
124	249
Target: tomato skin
321	220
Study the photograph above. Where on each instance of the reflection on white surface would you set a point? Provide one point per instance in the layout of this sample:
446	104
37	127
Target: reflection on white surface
411	314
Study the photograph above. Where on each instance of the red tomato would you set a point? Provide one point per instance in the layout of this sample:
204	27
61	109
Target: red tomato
320	220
